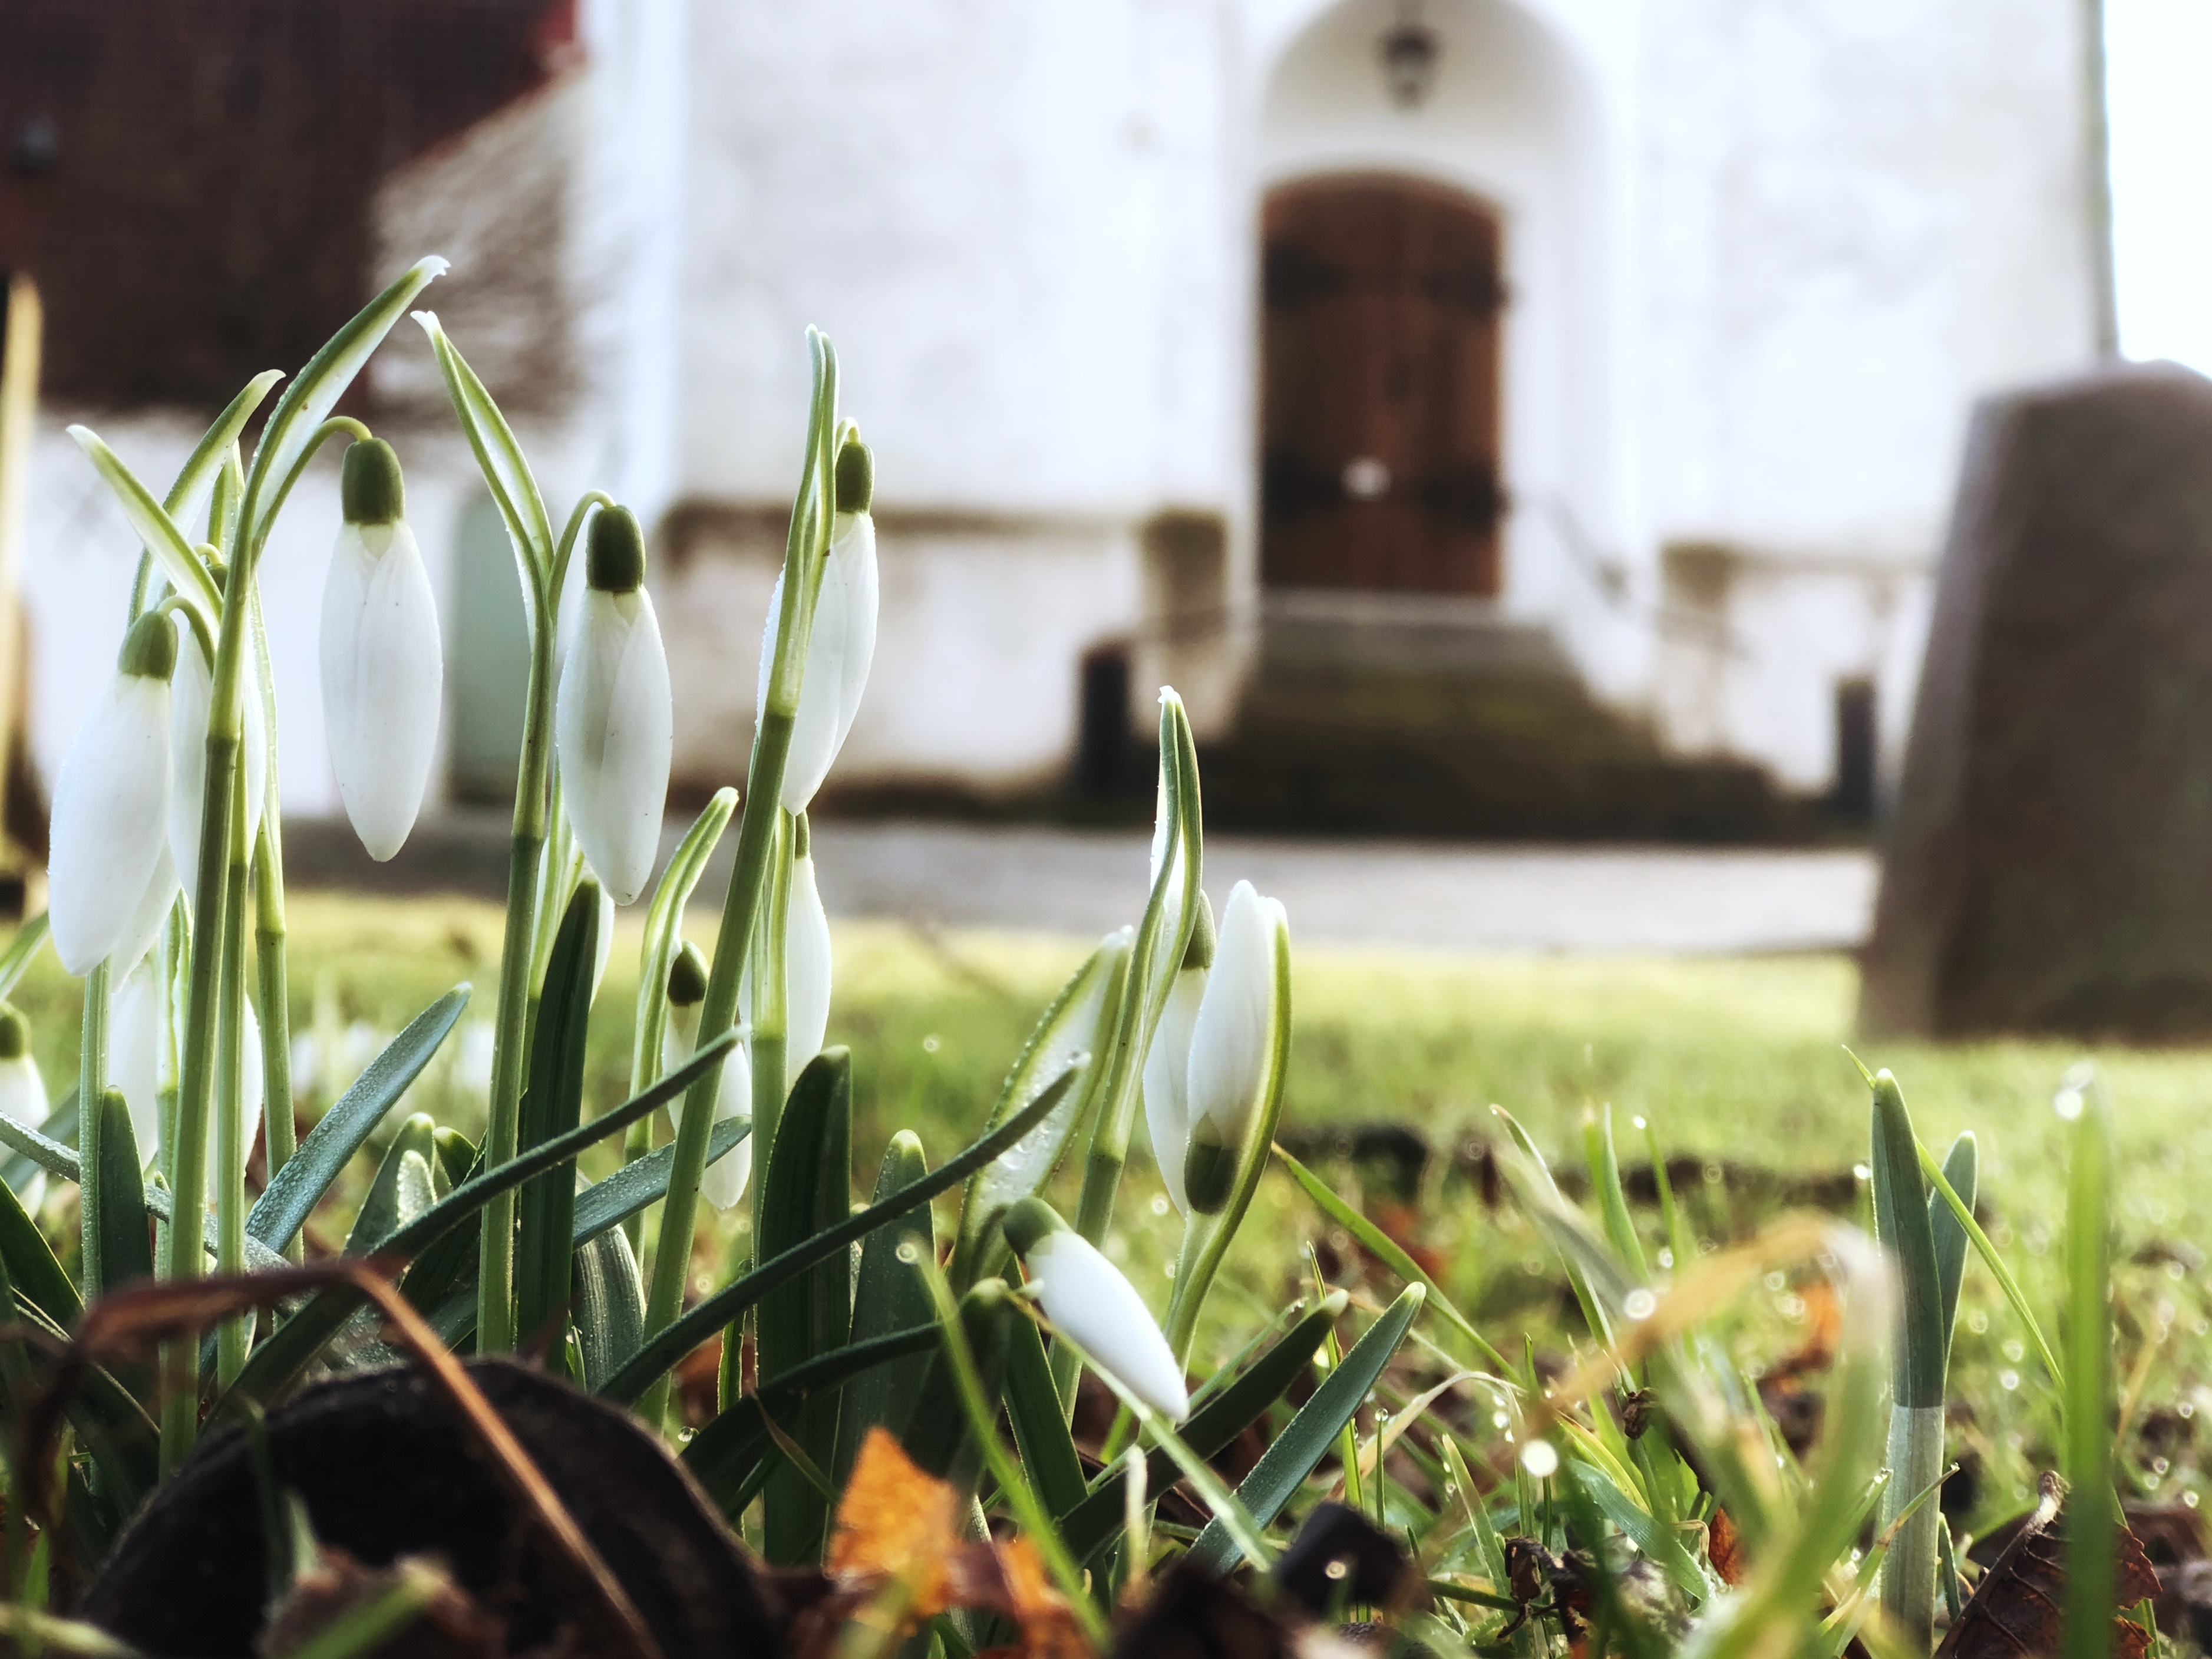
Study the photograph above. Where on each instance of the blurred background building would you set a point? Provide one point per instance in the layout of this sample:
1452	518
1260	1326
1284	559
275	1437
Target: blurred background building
1521	416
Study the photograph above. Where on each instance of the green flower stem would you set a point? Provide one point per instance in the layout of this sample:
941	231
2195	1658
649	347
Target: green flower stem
769	1014
268	931
804	551
92	1082
196	1083
230	1148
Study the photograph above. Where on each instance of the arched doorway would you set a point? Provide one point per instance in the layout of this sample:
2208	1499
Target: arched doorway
1379	387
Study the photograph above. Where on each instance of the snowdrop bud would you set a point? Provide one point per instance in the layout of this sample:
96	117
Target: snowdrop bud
383	669
191	693
111	802
806	966
614	723
724	1183
22	1091
1231	1045
843	643
1085	1295
1167	1063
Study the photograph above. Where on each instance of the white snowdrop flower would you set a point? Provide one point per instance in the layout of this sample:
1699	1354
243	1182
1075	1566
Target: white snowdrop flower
145	930
613	724
111	802
843	643
252	1087
22	1091
806	967
1167	1063
137	1059
724	1182
192	693
1085	1296
1232	1044
383	669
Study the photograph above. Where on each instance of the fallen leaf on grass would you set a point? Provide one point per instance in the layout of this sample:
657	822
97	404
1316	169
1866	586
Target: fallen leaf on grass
2019	1607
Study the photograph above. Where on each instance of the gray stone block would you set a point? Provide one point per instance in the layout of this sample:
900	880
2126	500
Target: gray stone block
2049	865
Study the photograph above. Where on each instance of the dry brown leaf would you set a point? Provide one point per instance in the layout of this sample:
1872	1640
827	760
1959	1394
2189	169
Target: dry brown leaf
2019	1606
896	1521
1724	1549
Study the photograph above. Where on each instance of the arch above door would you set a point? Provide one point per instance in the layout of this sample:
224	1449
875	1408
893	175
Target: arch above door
1383	297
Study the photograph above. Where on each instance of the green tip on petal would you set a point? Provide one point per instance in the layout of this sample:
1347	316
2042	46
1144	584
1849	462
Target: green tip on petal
802	838
687	977
150	649
1200	952
856	476
370	489
15	1033
1209	1169
1028	1222
614	562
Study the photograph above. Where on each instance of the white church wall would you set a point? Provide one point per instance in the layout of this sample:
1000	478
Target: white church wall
1856	219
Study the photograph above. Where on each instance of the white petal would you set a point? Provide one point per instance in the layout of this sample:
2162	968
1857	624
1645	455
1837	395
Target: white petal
23	1098
806	973
814	733
135	1060
191	692
145	930
383	674
853	544
110	813
1085	1295
1167	1080
22	1091
1229	1041
613	726
252	1087
724	1182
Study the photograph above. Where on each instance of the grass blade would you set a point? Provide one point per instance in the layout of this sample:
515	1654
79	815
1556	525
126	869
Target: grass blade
611	1202
1040	1424
1962	1212
293	1193
1283	1468
1387	1252
37	1277
126	1244
2091	1516
1097	1521
22	950
383	1211
610	1314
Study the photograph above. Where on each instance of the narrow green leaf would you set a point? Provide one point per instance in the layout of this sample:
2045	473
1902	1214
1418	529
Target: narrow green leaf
940	1434
2091	1515
1098	1520
273	1365
1596	1312
664	1349
1961	1169
208	455
290	434
611	1202
506	471
808	1189
1284	1466
663	929
126	1243
384	1210
1678	1243
169	545
295	1189
1386	1251
22	950
610	1304
1041	1423
552	1105
1612	1202
1962	1212
726	1455
60	1127
889	1294
1642	1528
1904	1226
1075	1027
38	1277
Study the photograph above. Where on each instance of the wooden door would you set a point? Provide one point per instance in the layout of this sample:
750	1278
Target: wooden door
1380	399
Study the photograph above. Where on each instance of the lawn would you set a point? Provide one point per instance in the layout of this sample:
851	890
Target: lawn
1738	1063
